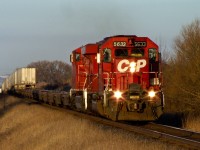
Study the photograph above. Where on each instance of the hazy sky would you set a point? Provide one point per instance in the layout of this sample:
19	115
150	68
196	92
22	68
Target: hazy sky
33	30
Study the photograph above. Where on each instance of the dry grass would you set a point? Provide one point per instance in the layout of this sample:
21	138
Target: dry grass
37	127
193	123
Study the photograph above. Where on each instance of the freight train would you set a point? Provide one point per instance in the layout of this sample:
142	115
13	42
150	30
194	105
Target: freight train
119	78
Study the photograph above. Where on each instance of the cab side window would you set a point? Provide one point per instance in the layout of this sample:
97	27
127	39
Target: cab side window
77	57
107	55
152	54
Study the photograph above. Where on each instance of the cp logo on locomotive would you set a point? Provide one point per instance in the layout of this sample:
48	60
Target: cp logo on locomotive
124	65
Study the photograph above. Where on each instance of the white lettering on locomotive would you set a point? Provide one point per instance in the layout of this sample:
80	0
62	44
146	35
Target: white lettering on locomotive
140	44
126	65
120	44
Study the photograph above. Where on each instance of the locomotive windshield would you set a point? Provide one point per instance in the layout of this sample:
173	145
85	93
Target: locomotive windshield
121	52
137	52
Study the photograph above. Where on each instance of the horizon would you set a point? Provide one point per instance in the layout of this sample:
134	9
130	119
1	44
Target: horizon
37	30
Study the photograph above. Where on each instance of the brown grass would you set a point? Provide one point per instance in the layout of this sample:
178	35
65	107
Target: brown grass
193	123
38	127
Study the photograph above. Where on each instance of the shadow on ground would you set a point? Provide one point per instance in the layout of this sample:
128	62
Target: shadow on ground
172	119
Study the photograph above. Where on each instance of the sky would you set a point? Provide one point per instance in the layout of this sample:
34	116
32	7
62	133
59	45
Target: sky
36	30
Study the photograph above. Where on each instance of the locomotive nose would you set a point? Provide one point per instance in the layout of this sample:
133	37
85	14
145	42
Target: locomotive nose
134	88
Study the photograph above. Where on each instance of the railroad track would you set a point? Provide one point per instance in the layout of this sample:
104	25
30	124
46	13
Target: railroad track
178	136
175	135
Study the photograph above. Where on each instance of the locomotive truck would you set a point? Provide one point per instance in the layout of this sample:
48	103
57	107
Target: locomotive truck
119	78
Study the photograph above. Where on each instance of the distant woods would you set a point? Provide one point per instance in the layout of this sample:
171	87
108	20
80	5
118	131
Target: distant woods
182	71
53	73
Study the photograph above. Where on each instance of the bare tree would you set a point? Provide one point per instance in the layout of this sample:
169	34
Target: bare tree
184	70
55	72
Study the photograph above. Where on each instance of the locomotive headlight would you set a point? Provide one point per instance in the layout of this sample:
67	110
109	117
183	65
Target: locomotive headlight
132	66
151	94
118	94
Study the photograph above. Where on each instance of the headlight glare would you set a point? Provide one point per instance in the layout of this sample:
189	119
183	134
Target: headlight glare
118	94
152	94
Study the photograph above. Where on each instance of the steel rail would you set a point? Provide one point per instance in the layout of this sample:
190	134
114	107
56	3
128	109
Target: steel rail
174	131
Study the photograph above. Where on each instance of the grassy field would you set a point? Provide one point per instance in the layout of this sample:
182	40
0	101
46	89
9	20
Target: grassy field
29	127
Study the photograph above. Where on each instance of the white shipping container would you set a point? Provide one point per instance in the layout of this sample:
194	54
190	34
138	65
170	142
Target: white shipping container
20	79
25	76
11	79
5	85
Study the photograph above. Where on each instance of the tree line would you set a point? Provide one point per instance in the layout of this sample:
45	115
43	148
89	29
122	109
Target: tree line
52	73
182	71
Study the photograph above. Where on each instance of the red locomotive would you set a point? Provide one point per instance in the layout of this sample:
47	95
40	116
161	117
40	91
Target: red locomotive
119	77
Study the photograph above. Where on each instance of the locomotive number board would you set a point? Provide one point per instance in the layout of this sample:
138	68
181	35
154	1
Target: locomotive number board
140	44
119	44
